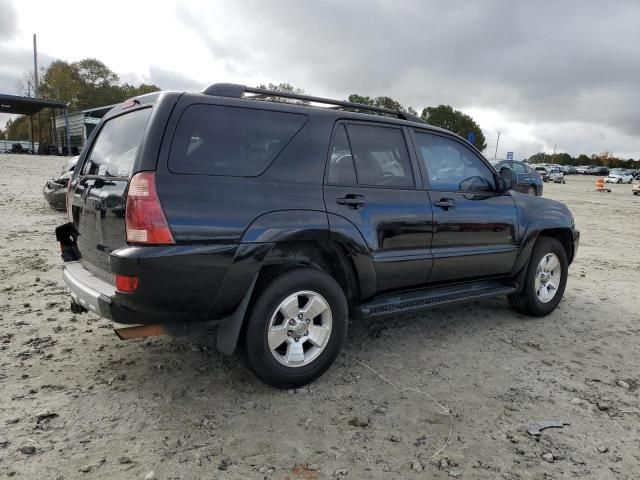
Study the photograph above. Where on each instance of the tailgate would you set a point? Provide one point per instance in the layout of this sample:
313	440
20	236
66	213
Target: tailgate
98	190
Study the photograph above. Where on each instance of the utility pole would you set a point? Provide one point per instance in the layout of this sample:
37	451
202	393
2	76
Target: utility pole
497	143
553	159
35	67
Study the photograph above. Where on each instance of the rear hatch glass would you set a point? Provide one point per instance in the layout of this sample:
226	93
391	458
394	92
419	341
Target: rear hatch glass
98	198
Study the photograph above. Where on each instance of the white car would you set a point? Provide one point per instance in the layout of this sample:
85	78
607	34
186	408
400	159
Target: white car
556	175
619	176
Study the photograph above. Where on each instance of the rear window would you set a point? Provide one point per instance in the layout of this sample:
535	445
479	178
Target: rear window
239	142
115	149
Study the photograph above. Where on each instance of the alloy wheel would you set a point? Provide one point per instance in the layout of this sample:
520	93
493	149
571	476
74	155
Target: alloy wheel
300	328
548	275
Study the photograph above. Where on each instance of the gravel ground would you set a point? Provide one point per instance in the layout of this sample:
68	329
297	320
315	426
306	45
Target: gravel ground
76	402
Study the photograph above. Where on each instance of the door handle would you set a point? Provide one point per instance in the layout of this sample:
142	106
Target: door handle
351	200
445	203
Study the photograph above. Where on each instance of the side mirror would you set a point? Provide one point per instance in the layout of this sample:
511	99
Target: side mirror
507	180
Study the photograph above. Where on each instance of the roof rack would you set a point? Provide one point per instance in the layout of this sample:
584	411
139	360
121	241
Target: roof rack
237	91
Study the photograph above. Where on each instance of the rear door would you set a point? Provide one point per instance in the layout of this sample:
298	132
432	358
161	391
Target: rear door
370	183
98	200
475	228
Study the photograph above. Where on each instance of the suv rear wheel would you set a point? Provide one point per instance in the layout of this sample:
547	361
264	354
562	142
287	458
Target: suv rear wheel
545	279
296	328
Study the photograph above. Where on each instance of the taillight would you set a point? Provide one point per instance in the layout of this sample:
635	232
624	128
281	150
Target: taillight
145	220
125	283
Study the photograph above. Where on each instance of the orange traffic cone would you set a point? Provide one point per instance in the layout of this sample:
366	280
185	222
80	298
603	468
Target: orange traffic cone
600	185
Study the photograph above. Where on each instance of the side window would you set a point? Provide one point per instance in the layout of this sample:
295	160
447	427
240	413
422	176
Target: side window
380	156
233	141
518	167
453	167
341	169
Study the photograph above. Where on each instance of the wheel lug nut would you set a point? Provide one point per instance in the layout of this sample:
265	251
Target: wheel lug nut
308	321
292	322
288	333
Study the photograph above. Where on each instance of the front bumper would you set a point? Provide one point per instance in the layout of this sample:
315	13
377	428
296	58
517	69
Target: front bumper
87	290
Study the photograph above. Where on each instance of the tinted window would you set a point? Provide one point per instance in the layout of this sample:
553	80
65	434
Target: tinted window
515	166
216	140
341	169
114	151
380	156
451	166
519	168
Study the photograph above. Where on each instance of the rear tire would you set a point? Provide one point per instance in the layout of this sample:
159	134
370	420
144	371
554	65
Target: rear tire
281	350
542	291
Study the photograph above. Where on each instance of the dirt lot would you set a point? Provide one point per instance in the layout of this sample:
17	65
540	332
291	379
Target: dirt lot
76	402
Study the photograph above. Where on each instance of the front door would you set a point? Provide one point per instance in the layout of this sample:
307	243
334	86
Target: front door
370	183
475	228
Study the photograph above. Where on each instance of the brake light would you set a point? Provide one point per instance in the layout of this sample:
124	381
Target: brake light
125	283
144	217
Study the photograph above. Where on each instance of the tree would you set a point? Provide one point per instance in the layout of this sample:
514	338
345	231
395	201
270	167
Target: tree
82	85
62	81
444	116
384	102
283	87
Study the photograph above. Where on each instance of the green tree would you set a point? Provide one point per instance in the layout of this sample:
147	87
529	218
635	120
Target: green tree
86	84
384	102
444	116
283	87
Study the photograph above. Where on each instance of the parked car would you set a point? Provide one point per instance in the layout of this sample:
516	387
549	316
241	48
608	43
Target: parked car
277	220
582	169
55	190
619	176
556	175
635	188
543	173
597	171
569	170
528	181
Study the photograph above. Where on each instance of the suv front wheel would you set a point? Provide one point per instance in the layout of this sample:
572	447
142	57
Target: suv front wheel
296	328
545	279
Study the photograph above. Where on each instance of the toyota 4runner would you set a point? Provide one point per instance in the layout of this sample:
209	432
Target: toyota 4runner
277	220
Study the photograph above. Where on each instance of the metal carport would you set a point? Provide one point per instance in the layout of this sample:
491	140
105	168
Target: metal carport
30	106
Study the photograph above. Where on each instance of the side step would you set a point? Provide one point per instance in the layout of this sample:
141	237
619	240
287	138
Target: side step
395	303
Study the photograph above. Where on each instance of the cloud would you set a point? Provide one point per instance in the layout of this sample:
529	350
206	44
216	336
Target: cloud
8	20
536	62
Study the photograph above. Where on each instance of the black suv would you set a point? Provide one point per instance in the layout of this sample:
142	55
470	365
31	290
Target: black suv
277	220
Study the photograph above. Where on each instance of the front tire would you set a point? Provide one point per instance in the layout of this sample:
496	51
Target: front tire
296	328
532	190
545	280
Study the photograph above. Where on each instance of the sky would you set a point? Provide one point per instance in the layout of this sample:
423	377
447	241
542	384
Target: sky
545	74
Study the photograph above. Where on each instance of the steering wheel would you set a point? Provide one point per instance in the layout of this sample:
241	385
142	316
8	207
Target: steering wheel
382	178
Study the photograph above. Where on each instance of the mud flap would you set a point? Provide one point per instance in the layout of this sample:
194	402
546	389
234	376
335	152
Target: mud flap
229	328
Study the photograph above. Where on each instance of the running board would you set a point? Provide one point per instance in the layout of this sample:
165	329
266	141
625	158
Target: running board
392	304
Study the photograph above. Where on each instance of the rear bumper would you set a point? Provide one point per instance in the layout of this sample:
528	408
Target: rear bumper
176	284
87	290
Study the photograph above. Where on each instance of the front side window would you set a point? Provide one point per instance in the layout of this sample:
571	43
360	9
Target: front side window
233	141
453	167
115	148
515	166
380	156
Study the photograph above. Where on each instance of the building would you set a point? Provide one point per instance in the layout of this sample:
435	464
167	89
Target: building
81	124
